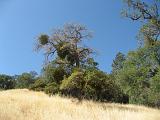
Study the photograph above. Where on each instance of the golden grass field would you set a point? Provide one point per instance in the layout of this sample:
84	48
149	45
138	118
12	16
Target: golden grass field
28	105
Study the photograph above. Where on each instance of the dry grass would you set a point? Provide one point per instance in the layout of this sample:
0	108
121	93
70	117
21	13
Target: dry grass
28	105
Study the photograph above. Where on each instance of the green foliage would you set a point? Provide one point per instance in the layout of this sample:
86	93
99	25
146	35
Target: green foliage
92	84
155	90
118	62
38	85
139	76
53	73
99	86
155	82
6	82
43	39
139	73
73	85
51	88
24	80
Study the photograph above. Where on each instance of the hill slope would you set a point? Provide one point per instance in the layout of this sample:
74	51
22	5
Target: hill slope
28	105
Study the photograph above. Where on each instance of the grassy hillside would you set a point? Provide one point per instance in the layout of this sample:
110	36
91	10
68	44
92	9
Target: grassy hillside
28	105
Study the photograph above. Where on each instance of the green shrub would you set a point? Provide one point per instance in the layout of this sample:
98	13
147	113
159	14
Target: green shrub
39	85
73	85
99	87
51	88
92	84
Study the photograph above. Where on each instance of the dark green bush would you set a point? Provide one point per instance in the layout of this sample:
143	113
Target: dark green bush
73	85
51	88
92	84
6	82
99	87
39	85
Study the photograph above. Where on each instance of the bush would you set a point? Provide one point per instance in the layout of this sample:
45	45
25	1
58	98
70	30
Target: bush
99	87
73	85
39	85
92	84
51	88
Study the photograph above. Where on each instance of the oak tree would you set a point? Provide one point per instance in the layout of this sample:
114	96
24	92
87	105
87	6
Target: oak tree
66	43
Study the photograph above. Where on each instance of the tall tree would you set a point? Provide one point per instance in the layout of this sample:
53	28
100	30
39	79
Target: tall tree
139	75
148	13
118	62
66	43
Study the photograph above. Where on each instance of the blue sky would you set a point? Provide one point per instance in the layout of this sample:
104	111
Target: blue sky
21	21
